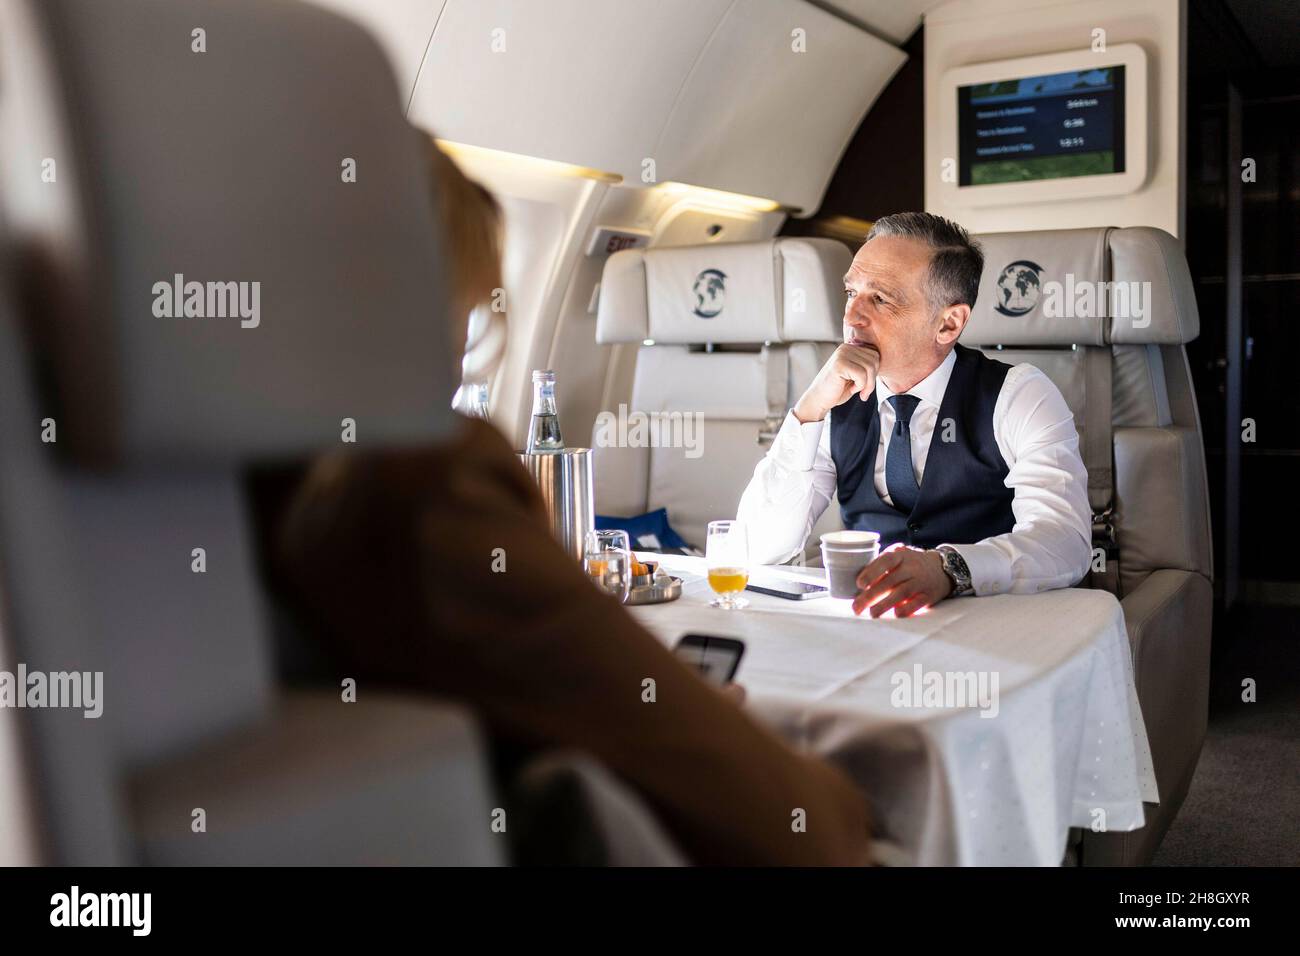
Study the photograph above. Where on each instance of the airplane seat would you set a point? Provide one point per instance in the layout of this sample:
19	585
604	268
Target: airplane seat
730	336
201	295
1116	352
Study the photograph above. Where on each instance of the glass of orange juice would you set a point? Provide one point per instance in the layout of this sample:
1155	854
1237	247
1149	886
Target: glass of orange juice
726	552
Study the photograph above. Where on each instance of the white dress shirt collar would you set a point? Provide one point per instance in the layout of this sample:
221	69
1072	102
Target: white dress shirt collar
929	390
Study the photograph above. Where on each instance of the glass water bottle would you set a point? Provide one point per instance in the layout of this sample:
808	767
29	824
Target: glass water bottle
544	435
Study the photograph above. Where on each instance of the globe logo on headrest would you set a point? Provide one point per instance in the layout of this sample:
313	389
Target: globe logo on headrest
710	291
1018	288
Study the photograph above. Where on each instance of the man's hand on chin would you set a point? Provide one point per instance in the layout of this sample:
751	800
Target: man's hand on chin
905	579
850	370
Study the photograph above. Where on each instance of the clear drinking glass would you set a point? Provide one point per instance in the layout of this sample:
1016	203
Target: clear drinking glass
726	553
607	559
471	400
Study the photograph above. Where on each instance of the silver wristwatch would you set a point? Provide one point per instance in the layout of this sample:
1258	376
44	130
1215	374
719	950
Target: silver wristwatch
954	565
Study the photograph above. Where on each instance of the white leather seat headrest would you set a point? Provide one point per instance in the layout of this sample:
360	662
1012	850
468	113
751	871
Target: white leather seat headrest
1143	254
1017	301
777	290
1083	287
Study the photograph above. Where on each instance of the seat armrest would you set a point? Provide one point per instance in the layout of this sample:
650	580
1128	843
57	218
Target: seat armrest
1168	620
385	780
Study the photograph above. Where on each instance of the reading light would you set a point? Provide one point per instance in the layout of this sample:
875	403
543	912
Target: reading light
477	154
716	198
724	200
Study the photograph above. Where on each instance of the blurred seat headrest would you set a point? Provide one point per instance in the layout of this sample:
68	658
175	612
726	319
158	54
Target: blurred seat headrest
777	290
262	253
1083	287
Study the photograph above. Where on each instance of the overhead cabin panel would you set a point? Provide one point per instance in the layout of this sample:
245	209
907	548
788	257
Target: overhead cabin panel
570	80
714	92
768	109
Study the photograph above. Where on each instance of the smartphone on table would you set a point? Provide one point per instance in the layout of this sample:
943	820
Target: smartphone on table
787	588
716	658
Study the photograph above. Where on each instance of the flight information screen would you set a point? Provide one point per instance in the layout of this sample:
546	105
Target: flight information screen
1041	127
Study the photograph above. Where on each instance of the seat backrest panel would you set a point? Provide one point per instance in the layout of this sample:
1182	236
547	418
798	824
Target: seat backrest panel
159	412
1034	304
47	626
784	293
186	631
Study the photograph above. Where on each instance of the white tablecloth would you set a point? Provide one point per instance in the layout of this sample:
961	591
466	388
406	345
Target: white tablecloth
1061	743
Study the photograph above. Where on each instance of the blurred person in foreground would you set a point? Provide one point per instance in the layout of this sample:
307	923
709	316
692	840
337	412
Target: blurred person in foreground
389	557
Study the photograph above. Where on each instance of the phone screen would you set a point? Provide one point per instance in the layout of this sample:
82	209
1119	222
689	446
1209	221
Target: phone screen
716	658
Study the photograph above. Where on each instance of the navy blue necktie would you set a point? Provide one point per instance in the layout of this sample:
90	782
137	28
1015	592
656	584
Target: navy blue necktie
899	477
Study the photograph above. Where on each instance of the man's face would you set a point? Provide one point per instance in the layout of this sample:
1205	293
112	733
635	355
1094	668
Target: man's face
887	306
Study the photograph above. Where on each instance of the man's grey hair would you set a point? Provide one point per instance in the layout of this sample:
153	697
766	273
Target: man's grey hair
955	267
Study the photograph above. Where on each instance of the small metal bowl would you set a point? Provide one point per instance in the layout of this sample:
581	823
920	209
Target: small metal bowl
655	594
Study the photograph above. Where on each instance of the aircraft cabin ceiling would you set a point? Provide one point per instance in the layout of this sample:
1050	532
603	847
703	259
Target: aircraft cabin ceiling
678	90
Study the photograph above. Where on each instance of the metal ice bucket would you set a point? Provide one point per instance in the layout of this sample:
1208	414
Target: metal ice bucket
564	478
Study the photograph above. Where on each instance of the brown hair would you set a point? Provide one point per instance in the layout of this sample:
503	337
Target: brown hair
471	218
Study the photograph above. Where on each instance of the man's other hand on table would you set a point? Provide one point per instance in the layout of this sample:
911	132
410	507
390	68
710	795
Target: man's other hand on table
903	578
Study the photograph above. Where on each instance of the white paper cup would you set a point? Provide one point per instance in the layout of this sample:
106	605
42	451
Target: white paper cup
844	558
850	540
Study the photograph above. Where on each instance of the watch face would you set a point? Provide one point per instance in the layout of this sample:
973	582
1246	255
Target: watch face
955	566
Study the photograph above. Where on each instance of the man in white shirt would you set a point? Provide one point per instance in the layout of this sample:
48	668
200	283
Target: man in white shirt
969	468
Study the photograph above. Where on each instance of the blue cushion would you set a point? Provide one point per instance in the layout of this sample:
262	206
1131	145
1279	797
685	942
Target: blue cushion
647	532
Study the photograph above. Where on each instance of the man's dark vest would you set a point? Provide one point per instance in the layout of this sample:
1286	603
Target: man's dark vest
963	498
